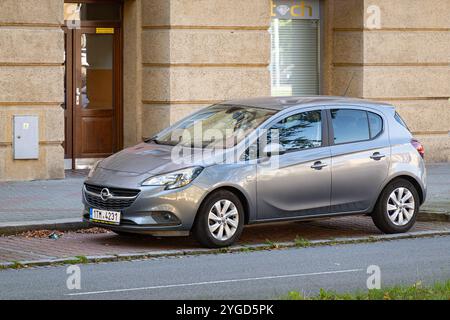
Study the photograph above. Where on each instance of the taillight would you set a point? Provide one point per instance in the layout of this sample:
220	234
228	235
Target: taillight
419	147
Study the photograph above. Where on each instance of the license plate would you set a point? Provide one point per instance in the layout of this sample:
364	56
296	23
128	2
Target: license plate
105	216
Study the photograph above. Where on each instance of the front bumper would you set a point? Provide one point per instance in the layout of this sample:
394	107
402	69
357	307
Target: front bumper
142	216
168	231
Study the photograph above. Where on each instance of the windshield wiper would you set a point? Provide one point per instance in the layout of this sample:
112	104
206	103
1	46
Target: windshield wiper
165	143
153	139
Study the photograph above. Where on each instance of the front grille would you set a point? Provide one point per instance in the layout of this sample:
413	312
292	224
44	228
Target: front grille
118	192
92	195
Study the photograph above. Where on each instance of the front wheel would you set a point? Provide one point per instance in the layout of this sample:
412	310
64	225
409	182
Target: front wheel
397	207
220	220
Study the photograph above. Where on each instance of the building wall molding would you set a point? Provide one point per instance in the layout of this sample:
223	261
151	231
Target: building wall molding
30	25
189	102
391	29
400	64
207	65
42	143
28	103
30	64
199	27
434	133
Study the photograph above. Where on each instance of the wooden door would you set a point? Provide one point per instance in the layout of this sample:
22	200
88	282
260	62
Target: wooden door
96	109
93	80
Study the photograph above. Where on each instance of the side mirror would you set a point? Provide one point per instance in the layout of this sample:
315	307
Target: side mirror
274	149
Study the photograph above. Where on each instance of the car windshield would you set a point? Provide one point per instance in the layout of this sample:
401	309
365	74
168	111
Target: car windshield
218	126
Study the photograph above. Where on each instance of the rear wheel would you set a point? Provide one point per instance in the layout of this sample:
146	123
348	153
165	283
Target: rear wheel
220	220
397	207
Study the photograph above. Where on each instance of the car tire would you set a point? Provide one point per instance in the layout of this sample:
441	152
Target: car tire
397	207
220	220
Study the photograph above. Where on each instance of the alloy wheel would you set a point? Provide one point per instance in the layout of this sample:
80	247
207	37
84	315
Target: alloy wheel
400	206
223	220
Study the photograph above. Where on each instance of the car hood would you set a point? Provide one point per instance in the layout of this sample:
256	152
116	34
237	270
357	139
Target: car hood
149	158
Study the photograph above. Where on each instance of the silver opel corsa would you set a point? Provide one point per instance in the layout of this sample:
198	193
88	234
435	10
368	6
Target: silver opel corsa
262	160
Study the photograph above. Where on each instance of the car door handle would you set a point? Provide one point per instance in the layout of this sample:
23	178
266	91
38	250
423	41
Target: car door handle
377	156
318	165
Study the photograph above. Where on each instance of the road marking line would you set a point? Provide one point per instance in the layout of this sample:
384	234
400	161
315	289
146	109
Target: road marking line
215	282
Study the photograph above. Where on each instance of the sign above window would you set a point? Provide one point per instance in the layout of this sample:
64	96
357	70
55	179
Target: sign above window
295	9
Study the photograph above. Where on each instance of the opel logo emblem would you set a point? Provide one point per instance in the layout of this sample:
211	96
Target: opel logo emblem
105	194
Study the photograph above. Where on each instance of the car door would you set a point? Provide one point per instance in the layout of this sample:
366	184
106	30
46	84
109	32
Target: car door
297	182
360	152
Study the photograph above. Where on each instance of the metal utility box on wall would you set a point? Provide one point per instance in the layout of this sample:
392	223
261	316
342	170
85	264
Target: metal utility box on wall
26	137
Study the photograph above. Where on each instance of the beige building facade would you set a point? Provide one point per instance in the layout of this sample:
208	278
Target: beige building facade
175	56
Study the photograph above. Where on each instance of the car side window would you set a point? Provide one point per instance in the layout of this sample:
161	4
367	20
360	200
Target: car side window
375	124
350	125
299	131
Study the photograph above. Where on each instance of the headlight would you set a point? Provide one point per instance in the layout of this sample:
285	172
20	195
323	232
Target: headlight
175	179
94	167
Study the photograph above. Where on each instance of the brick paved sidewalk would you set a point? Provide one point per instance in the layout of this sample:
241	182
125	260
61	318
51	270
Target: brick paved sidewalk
71	244
59	201
42	201
438	198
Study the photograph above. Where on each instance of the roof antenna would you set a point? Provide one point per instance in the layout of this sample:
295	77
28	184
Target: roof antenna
349	83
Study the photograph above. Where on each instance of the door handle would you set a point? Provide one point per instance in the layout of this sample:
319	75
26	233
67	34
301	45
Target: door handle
77	97
318	165
377	156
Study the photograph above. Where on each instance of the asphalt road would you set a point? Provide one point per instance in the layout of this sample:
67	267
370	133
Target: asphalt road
249	275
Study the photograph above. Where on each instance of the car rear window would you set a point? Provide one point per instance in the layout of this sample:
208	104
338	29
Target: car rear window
375	124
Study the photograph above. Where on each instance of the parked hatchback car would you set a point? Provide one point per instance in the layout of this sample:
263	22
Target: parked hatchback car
291	159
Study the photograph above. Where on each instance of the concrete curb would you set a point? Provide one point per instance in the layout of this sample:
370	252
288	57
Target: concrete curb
430	216
10	228
234	249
